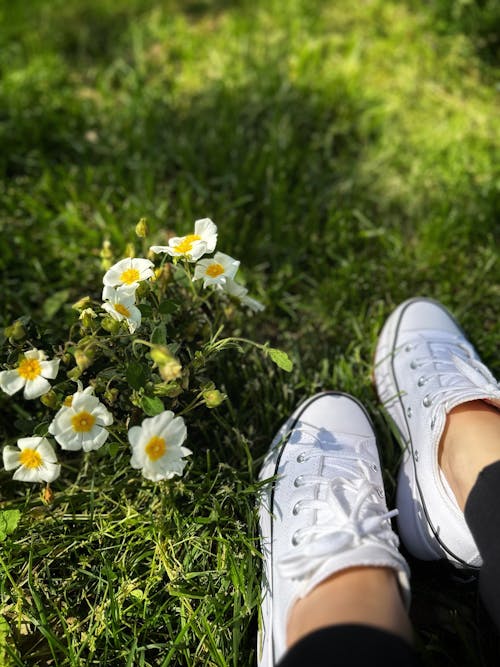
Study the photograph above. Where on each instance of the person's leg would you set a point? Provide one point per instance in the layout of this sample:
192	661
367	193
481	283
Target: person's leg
359	595
470	443
351	645
332	571
444	403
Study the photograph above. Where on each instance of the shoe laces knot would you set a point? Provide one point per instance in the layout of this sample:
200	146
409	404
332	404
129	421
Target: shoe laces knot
352	511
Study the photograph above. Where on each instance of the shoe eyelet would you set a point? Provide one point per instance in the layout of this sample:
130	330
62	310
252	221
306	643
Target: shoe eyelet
295	540
380	492
433	423
427	401
297	481
409	412
296	509
413	365
415	455
374	467
301	458
408	348
421	381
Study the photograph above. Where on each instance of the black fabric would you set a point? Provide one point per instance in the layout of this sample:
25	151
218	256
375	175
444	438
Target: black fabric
350	646
482	514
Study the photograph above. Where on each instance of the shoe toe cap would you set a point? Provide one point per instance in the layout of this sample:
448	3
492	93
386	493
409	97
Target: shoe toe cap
422	313
337	413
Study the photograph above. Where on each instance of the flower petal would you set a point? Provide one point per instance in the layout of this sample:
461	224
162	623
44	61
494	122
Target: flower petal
208	232
11	457
103	415
24	474
175	432
134	435
50	471
46	451
159	423
50	368
11	381
94	439
35	388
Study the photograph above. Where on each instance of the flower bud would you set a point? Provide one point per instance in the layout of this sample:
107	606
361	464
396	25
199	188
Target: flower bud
141	228
50	399
160	354
84	358
130	250
86	317
213	398
15	331
171	370
81	304
106	255
110	324
110	395
170	389
47	495
74	373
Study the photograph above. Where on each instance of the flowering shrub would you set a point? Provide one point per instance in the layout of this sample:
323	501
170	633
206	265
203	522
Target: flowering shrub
138	358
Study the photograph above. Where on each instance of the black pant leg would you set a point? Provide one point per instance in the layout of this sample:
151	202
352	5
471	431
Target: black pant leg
482	513
350	646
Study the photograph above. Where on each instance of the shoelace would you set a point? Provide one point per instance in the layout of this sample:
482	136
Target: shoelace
469	375
339	530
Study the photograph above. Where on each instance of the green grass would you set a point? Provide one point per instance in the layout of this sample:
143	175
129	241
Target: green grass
349	154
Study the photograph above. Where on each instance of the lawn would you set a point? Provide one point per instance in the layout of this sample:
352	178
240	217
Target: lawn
349	154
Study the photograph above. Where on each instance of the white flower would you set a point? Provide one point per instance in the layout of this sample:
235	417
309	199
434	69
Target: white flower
80	423
30	374
129	271
120	304
34	459
216	271
235	289
192	246
156	446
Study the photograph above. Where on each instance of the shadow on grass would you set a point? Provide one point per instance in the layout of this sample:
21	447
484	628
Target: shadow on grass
478	19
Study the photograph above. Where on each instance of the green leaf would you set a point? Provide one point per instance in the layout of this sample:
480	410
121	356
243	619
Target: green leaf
146	310
137	374
8	522
159	335
280	358
152	406
113	448
167	307
55	302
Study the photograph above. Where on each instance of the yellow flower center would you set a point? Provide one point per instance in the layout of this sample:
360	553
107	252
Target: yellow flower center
156	447
215	270
30	458
186	244
120	308
82	422
29	369
130	276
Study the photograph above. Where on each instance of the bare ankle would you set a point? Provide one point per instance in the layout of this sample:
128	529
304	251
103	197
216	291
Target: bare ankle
361	595
470	442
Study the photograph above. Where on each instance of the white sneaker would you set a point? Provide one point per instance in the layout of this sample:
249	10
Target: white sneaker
324	512
424	367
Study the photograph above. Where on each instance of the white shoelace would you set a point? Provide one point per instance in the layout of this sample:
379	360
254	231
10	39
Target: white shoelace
339	530
468	376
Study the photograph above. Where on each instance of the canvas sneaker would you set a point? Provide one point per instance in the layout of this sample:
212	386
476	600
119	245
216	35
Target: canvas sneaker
425	367
323	510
